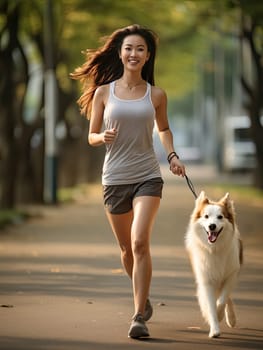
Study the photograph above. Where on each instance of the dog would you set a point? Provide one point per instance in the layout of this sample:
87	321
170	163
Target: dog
215	250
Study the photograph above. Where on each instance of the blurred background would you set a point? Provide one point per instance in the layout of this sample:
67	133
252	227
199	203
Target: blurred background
209	61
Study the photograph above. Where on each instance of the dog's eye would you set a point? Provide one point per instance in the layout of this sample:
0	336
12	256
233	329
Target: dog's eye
220	217
206	216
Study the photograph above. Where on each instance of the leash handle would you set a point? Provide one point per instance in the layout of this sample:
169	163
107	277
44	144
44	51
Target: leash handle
191	186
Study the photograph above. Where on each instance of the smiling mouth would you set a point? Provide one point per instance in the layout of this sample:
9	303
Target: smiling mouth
213	235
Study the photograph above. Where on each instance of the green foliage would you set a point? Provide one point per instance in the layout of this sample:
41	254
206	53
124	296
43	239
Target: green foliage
8	217
241	193
80	24
175	22
185	29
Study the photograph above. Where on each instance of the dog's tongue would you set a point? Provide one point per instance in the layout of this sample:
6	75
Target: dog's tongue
212	237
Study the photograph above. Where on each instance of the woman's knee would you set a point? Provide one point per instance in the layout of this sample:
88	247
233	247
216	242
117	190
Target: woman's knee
140	247
126	251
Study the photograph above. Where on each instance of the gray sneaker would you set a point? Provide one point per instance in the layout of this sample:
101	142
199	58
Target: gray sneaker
148	310
138	327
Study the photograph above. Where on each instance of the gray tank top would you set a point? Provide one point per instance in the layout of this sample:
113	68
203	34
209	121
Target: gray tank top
131	158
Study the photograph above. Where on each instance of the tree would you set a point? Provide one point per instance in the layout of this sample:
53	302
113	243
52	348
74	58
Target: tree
20	174
238	20
79	25
9	107
251	33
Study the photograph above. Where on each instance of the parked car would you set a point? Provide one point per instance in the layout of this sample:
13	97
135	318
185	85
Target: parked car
238	147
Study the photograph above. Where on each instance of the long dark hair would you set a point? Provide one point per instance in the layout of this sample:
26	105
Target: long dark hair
104	65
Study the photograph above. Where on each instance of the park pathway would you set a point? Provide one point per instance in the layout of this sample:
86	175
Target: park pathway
62	286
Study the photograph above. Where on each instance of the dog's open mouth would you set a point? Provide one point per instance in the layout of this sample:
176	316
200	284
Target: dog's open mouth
213	235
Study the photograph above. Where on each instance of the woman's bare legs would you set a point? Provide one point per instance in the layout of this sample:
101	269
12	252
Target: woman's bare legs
133	231
144	210
121	227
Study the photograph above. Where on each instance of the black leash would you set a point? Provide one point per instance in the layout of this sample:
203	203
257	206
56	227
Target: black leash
189	182
191	186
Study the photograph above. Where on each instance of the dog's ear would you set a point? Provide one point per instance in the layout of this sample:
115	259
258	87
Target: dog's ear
226	197
202	198
226	200
199	202
229	205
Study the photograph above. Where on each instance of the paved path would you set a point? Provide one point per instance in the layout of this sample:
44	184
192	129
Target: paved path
62	286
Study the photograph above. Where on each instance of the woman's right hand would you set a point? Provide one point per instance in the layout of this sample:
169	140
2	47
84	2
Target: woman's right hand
109	136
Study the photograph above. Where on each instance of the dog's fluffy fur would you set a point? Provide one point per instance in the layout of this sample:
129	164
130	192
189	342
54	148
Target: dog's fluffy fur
215	250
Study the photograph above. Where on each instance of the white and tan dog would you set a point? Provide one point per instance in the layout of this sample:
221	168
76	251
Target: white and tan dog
215	250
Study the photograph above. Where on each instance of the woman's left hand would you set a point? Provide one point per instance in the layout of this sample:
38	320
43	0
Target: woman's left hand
177	167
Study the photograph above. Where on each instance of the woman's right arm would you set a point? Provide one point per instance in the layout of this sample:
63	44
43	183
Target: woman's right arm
96	137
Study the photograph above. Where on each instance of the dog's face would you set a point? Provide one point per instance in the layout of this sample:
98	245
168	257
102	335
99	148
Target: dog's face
212	220
213	217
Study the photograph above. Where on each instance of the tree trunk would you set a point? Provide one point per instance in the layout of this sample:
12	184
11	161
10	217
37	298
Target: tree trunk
8	112
254	92
29	184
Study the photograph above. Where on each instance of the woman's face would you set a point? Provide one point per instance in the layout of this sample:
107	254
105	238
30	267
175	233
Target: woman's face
134	52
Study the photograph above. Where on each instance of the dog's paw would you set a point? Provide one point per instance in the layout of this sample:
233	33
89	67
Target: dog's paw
214	333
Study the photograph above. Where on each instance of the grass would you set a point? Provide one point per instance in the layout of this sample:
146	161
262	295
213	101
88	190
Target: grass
241	192
71	194
79	193
65	195
11	216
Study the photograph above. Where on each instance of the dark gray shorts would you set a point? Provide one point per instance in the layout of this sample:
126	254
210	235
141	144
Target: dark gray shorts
118	198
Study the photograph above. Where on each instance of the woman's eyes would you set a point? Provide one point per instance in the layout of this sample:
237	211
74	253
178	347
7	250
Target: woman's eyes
130	49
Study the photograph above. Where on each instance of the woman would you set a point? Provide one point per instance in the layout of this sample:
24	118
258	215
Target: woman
119	91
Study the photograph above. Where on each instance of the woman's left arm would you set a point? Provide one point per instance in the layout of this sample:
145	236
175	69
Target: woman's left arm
160	102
